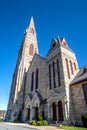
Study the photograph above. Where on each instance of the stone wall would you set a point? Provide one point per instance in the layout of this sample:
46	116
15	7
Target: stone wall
79	104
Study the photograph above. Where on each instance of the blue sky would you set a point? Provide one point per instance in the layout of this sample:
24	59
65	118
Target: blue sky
66	18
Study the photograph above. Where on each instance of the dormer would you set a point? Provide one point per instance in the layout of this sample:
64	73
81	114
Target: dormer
63	42
54	43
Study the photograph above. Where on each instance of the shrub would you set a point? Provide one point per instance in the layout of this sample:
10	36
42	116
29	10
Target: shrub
33	122
45	122
41	118
0	120
40	123
84	120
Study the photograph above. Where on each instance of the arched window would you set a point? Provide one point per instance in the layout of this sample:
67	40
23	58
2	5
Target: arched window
74	66
71	67
32	81
54	75
58	71
31	50
50	76
67	66
37	78
54	44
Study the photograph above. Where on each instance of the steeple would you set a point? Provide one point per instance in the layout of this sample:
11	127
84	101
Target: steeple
31	24
27	50
30	33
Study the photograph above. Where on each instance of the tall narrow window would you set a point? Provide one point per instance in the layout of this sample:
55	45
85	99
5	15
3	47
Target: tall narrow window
67	66
58	71
31	50
85	92
37	78
71	67
50	76
32	81
74	66
54	75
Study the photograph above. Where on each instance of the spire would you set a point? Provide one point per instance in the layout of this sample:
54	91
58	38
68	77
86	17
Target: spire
31	26
59	40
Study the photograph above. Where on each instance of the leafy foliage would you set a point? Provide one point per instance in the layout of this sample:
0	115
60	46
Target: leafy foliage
39	121
33	122
72	128
45	122
0	120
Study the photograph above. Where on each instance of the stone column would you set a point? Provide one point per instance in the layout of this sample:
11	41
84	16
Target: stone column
65	111
31	113
57	111
49	111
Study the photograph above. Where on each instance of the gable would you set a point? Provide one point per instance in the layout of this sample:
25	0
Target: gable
36	99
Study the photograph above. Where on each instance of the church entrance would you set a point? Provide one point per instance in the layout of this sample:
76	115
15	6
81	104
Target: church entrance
60	111
36	113
54	111
28	114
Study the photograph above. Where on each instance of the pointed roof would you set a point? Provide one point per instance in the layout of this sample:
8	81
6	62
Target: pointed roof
59	42
31	26
81	76
31	22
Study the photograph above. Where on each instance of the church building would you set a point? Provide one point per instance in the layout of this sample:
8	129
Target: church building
53	84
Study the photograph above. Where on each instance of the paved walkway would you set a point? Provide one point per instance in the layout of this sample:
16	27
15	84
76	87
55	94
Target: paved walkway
34	127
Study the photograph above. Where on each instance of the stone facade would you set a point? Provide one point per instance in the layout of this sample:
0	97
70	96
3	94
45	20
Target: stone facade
45	84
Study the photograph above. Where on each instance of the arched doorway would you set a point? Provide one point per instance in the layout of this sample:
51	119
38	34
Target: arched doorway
54	111
28	114
60	111
36	113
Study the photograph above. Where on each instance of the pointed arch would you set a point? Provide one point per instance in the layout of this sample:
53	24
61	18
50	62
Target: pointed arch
58	73
50	76
31	50
67	66
74	66
71	67
32	81
37	70
54	75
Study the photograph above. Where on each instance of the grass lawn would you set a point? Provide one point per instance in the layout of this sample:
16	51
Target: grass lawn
72	128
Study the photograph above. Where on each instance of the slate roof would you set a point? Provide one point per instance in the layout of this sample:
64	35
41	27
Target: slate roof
81	76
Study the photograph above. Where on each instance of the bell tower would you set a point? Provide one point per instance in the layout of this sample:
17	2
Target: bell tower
26	52
29	45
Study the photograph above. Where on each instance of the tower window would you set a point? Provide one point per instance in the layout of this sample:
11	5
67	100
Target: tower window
37	78
54	44
32	30
54	75
32	81
31	50
64	43
50	75
58	71
74	66
67	66
71	67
